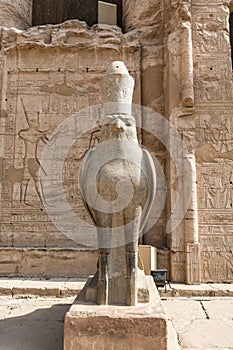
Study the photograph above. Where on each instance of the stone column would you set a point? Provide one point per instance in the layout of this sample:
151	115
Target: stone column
187	67
192	246
16	13
179	103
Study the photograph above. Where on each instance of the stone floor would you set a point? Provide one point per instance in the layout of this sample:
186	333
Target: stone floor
32	324
36	323
202	323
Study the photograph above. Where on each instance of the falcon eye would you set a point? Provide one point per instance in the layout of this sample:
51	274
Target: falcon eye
128	124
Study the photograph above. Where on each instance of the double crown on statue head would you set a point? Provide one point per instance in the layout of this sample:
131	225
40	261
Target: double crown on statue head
117	90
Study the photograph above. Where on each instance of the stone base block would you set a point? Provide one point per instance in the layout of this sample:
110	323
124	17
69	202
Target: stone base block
90	326
90	289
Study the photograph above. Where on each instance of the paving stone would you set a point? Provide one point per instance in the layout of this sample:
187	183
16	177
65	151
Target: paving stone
37	323
184	290
32	324
219	309
207	334
183	311
223	289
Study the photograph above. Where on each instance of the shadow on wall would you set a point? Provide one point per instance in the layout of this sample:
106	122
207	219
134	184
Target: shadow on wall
38	330
53	12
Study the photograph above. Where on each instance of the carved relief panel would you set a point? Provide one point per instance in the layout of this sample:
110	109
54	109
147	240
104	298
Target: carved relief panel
212	83
41	90
215	191
213	137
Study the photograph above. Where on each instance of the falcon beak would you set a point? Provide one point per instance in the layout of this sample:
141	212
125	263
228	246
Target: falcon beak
119	125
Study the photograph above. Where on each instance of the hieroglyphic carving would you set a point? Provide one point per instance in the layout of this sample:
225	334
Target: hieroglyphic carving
37	119
219	135
31	137
213	136
215	128
217	258
209	35
212	82
215	220
216	186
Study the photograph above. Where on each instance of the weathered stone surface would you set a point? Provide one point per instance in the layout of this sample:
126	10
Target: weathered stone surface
218	309
116	327
201	128
213	150
60	89
39	287
147	16
38	323
15	13
179	55
218	333
32	323
198	326
53	262
183	312
206	290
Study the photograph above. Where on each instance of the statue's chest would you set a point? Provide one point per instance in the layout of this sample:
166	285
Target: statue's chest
111	174
119	169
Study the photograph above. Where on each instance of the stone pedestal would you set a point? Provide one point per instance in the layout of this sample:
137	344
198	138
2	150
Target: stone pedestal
90	326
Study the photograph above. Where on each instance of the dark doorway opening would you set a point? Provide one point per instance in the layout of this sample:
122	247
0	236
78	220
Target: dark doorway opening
58	11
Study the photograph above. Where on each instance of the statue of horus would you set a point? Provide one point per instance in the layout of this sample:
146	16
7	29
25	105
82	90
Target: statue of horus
117	183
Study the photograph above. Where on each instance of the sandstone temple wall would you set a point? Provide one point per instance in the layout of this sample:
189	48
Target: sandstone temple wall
179	53
55	71
198	100
213	142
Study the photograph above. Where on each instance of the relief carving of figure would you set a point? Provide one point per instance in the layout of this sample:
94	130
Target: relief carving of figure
218	135
31	136
218	190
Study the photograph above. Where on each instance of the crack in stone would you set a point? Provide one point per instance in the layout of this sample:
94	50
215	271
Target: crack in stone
204	309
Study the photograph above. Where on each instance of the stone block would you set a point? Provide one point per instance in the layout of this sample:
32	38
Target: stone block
193	263
90	326
10	260
47	262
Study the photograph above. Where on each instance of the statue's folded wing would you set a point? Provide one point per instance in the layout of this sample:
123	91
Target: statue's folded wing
149	169
83	173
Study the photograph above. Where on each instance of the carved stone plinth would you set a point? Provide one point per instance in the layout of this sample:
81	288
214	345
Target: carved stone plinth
193	263
89	326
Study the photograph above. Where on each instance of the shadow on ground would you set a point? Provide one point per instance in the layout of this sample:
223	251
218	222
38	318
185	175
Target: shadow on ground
39	330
